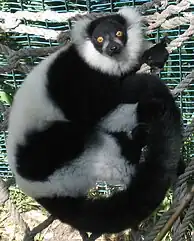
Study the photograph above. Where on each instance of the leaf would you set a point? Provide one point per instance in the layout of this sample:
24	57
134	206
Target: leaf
5	97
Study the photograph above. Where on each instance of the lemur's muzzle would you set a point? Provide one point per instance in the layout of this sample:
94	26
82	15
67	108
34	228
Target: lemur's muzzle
113	48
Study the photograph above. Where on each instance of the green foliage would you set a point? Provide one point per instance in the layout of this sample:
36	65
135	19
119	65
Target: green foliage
5	98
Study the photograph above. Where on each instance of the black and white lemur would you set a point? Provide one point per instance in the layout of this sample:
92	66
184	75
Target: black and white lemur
72	124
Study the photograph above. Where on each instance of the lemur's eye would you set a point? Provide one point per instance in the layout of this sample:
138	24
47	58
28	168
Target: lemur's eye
119	33
100	39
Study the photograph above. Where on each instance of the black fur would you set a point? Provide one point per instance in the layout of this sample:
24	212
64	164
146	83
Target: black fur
153	178
45	151
126	144
82	100
157	55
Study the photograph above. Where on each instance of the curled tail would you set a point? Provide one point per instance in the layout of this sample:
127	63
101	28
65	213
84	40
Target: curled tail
164	139
145	192
160	167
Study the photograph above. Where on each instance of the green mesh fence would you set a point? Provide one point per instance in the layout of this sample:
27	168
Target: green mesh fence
180	62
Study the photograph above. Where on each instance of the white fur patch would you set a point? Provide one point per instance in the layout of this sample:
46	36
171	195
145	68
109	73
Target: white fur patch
129	56
96	164
122	119
31	108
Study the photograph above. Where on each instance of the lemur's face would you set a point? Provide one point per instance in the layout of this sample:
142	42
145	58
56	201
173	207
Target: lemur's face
109	36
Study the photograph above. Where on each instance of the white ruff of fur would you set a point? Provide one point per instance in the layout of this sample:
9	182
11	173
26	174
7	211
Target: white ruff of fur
130	54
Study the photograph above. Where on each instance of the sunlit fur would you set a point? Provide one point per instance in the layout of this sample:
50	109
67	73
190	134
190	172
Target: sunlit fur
129	57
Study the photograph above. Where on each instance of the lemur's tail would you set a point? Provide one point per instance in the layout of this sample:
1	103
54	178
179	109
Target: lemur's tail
160	167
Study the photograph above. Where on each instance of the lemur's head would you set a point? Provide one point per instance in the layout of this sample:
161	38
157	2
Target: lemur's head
109	35
113	43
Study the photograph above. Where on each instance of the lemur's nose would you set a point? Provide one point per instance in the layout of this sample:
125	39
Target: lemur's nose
113	48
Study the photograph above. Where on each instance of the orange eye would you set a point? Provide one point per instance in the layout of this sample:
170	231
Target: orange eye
100	39
119	34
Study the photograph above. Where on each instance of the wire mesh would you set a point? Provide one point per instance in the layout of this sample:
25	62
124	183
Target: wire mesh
179	64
